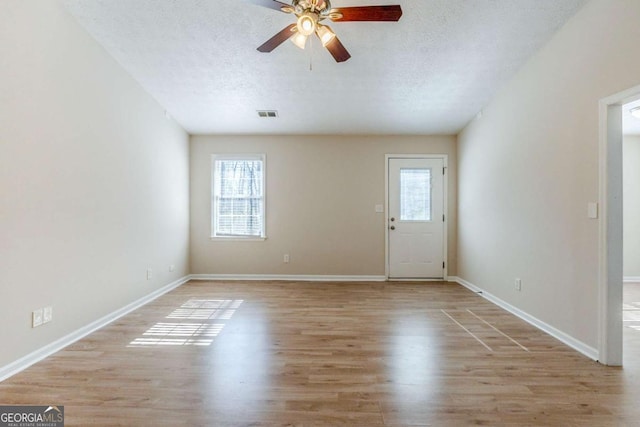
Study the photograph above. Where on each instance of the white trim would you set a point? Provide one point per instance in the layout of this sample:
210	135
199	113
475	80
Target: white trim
51	348
445	212
212	206
238	239
567	339
286	277
445	208
603	311
631	279
386	216
238	156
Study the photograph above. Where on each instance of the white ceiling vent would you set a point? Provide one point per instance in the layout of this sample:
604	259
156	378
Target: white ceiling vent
268	113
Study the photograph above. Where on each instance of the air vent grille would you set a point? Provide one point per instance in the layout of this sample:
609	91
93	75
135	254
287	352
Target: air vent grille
268	113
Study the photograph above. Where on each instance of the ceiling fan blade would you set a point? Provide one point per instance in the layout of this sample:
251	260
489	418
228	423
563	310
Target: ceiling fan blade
278	39
271	4
337	50
368	13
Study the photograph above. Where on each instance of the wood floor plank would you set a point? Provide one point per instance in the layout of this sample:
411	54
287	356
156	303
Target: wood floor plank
326	354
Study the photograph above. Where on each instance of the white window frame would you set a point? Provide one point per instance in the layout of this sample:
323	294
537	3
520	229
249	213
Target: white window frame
262	157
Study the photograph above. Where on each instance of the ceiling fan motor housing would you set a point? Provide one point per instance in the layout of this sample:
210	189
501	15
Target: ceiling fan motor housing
318	6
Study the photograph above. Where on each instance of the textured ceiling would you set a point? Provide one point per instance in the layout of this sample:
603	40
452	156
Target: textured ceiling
430	73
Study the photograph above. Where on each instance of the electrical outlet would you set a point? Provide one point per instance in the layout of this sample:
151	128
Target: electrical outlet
149	274
286	258
172	267
47	314
518	285
36	318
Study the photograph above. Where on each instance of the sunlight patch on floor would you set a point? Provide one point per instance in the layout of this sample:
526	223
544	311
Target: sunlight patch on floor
194	334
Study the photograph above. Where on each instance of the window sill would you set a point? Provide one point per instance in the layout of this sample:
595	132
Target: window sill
238	239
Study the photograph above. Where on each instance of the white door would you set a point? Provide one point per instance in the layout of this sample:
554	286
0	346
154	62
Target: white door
416	218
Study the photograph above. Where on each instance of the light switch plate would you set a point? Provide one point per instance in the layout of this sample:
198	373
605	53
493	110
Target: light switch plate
592	210
379	208
36	318
47	314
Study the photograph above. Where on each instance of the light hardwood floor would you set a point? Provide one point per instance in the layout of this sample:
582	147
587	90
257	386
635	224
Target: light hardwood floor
356	354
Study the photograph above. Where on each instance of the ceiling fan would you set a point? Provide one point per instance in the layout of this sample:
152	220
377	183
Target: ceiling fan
311	13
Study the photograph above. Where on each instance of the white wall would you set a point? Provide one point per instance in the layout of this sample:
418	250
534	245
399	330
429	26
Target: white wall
93	180
529	166
631	196
321	194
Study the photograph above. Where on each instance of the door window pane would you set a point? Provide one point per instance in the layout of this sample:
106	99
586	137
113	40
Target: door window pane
415	194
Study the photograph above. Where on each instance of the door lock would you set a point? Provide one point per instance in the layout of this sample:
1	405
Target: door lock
393	219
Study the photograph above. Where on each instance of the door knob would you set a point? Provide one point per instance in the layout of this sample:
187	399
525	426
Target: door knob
393	227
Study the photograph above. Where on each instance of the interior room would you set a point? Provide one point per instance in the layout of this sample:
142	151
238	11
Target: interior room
313	212
631	211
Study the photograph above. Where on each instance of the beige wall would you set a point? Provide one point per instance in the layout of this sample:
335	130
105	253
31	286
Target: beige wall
321	195
529	166
631	196
93	180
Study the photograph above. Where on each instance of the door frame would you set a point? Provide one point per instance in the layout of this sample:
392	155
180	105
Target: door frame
610	251
445	201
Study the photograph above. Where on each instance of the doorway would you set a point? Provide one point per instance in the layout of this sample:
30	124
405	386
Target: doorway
610	347
416	217
631	232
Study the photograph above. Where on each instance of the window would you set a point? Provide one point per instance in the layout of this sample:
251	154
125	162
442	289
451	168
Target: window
415	194
238	196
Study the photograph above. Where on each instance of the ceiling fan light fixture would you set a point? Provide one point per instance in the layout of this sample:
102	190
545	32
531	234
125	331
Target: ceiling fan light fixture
310	15
307	24
325	34
635	112
299	40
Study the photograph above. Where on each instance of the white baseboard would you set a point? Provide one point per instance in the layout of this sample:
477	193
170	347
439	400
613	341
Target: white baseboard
49	349
631	279
287	277
567	339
